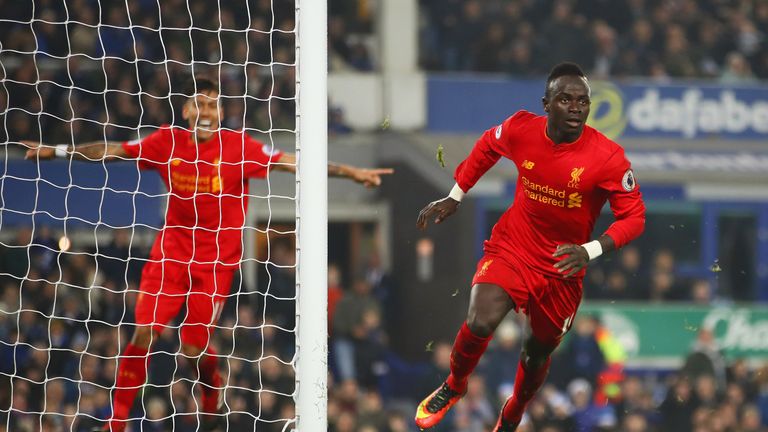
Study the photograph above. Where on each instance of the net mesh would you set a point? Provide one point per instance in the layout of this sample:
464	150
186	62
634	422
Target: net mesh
75	236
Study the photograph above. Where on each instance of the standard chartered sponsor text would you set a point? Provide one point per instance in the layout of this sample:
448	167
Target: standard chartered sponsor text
543	193
691	114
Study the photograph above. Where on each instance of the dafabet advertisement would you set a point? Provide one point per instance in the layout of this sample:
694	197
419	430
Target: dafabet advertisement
619	109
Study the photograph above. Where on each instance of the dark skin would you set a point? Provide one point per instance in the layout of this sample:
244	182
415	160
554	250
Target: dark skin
566	102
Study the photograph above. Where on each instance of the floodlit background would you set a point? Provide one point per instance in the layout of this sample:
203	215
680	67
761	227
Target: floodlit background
673	331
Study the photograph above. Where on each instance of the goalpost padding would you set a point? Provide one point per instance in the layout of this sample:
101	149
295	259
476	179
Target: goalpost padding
312	218
73	74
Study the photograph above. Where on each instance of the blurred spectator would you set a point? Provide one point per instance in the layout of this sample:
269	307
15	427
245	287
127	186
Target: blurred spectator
475	412
677	409
750	419
701	292
705	359
87	48
634	422
737	70
657	39
635	400
663	283
357	316
115	260
335	293
588	415
581	357
705	392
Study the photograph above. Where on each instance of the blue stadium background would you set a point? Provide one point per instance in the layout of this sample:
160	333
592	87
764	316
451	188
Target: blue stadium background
673	334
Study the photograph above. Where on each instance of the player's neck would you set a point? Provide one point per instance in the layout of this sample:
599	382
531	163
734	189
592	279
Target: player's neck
558	137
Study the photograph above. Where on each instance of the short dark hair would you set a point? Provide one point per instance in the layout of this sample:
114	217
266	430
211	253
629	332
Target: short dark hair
563	69
200	84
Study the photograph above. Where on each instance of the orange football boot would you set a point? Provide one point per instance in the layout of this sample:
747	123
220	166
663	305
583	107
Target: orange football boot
432	409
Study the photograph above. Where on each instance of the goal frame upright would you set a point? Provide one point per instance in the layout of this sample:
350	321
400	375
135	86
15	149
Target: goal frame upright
311	216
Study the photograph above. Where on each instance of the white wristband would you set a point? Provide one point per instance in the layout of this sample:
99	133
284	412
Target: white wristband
62	150
594	249
456	193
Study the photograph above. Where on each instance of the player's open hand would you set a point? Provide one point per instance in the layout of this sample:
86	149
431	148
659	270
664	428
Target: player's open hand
576	258
439	209
38	150
370	177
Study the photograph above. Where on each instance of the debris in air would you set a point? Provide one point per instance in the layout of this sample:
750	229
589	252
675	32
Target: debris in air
455	293
715	268
690	327
428	348
385	123
440	155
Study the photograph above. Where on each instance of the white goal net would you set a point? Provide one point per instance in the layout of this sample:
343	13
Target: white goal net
76	235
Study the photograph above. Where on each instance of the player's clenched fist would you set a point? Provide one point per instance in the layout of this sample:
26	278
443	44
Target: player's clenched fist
440	210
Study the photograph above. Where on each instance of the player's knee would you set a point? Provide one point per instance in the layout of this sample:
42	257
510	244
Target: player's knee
536	354
143	336
195	337
190	350
480	326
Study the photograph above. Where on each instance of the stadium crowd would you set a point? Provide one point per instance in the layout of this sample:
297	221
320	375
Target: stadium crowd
659	39
63	316
74	69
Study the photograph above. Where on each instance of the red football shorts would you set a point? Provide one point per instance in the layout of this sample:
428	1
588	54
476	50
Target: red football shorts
166	286
550	303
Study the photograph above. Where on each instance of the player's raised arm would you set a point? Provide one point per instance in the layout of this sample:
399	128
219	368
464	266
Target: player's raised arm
488	149
96	151
370	177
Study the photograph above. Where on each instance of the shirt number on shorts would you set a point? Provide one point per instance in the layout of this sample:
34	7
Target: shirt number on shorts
567	324
217	308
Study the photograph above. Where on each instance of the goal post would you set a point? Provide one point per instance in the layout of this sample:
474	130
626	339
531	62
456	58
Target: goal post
312	216
76	235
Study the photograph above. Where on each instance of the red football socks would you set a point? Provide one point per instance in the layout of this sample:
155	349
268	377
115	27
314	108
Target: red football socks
209	375
131	376
526	385
467	350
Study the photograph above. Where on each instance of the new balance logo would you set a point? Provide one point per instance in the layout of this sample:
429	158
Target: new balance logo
528	164
574	200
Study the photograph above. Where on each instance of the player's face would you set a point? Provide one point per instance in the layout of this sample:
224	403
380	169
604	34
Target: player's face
567	108
203	113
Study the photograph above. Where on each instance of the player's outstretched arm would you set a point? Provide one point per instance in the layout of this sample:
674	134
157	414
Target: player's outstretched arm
370	177
96	151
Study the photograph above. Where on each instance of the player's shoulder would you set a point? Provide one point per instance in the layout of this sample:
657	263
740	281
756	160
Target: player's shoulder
522	117
604	147
519	122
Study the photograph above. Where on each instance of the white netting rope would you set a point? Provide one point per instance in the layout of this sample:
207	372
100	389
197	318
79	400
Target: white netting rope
73	236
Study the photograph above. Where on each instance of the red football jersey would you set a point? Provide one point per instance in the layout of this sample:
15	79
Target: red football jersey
560	191
207	191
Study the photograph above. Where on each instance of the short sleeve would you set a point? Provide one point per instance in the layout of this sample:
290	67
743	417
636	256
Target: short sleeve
257	157
151	151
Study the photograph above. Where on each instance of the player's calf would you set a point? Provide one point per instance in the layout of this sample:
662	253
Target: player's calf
503	425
